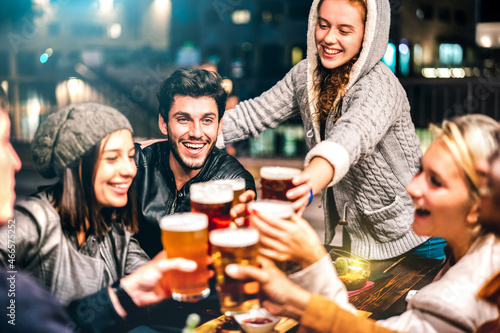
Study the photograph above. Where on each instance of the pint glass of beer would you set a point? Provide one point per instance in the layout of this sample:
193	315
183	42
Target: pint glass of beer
185	235
276	181
213	199
238	185
272	208
235	246
275	209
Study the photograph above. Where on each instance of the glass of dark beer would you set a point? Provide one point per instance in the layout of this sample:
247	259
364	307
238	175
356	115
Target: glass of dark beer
213	199
235	246
276	181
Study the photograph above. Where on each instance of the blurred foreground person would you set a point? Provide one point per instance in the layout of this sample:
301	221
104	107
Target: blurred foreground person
446	196
27	307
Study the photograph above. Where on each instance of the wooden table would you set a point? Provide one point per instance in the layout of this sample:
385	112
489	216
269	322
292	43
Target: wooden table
387	297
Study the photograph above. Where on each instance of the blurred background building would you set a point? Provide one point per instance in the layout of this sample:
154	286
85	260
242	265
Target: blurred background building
117	52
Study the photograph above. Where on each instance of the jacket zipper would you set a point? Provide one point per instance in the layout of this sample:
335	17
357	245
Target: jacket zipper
106	261
174	204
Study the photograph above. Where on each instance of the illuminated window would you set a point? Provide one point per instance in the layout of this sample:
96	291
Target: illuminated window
450	54
241	16
404	58
418	58
390	57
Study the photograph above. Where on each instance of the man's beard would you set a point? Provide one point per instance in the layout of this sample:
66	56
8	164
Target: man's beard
187	165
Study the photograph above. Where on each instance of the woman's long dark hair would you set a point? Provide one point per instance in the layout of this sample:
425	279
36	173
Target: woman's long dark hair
74	199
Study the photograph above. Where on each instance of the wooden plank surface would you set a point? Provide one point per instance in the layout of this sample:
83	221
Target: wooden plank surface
387	291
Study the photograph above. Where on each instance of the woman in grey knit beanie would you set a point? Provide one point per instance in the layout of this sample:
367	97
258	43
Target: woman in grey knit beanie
74	238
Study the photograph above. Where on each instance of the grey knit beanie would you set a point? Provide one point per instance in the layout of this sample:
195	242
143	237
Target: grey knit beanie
68	134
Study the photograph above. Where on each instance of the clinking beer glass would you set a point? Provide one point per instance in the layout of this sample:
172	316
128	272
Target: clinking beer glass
185	235
275	209
276	181
213	199
238	185
235	246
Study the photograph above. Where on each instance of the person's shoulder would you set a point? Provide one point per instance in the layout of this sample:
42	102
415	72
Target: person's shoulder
380	81
221	160
150	151
36	203
38	210
35	308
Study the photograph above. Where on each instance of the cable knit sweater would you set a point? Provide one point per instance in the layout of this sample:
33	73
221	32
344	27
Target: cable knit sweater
372	147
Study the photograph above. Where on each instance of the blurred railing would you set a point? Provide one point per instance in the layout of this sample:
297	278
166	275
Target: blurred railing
431	100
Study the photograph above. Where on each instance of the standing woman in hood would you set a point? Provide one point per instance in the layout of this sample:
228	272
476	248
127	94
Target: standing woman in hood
362	143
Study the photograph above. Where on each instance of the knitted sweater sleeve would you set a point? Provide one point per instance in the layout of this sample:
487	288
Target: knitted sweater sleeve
369	109
251	117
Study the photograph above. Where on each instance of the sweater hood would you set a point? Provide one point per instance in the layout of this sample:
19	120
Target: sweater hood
376	37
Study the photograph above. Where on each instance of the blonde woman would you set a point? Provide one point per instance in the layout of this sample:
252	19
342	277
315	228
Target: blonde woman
446	197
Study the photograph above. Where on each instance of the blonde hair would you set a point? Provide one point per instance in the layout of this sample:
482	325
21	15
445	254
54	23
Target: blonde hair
470	139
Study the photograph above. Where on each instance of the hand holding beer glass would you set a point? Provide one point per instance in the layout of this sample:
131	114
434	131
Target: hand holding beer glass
284	236
230	246
213	199
274	209
185	235
276	181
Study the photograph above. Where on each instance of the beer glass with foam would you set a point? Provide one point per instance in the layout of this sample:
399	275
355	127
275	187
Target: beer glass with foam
275	209
276	181
185	235
235	246
238	185
213	199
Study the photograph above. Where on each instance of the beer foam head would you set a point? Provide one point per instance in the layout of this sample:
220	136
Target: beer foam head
236	184
211	193
184	222
279	173
274	208
234	237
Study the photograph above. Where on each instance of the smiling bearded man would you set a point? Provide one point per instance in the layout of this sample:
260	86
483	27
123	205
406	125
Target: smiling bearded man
192	103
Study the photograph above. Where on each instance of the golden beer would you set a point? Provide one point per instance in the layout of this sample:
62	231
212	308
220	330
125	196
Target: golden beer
235	246
237	184
185	235
276	181
214	200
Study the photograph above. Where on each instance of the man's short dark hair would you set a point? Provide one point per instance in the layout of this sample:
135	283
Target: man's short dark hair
193	83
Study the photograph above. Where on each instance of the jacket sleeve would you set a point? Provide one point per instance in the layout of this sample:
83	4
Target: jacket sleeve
20	240
369	109
136	257
322	315
96	313
251	117
321	278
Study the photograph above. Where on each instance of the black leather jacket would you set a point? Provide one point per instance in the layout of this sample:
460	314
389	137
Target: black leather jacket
157	193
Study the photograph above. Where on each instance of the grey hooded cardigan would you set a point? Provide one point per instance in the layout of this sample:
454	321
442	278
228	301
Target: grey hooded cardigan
372	147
